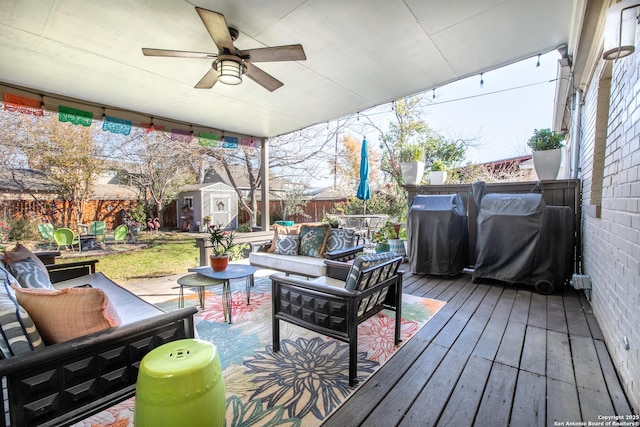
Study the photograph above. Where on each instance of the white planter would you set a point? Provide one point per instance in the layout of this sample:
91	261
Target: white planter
412	172
547	163
437	177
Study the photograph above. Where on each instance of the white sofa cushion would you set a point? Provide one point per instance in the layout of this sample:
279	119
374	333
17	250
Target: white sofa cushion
298	264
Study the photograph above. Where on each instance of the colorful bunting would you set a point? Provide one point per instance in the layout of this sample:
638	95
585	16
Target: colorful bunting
22	104
150	127
75	116
208	139
230	142
179	135
250	142
115	125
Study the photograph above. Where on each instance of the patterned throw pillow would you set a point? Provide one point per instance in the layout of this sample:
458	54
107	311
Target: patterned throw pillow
287	244
65	314
30	275
282	230
18	333
20	253
340	238
363	262
313	240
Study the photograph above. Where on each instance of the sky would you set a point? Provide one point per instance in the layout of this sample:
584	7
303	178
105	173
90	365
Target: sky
501	115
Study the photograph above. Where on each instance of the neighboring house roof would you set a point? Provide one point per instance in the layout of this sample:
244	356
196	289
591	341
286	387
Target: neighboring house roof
22	181
241	178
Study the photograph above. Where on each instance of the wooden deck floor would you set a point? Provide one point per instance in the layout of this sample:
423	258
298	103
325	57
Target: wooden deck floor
494	355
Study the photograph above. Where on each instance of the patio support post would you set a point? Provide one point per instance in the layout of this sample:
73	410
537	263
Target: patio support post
264	172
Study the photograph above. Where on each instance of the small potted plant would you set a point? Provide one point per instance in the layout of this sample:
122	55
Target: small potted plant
412	163
546	146
221	244
438	173
381	237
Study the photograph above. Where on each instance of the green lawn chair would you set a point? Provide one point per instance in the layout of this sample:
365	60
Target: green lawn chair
66	237
120	234
97	228
46	231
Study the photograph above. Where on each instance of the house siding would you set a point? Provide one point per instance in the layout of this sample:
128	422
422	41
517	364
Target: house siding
610	175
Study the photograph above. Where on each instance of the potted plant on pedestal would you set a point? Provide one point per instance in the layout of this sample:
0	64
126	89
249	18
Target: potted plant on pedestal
547	152
438	173
381	237
221	243
412	164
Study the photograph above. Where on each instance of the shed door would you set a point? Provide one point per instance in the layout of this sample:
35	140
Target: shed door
220	209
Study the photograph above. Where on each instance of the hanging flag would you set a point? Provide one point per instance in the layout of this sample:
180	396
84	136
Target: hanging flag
150	127
208	139
115	125
180	135
250	142
75	116
22	104
230	142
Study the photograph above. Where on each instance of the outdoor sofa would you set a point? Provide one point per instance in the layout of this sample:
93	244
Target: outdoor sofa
303	249
66	382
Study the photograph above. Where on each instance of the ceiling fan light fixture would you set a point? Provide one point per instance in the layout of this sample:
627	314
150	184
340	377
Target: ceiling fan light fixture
229	70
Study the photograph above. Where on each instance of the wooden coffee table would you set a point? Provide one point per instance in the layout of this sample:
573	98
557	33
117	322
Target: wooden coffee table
201	277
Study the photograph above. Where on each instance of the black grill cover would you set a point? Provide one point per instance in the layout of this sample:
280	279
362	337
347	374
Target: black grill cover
509	229
437	235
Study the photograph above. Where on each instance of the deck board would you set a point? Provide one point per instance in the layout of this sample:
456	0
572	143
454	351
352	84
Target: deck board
495	354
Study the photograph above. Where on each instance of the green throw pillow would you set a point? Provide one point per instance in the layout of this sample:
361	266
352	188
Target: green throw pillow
313	239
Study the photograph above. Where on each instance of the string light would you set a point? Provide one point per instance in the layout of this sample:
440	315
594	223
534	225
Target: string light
434	93
538	63
481	80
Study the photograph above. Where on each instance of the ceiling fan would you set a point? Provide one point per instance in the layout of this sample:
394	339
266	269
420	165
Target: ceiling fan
230	63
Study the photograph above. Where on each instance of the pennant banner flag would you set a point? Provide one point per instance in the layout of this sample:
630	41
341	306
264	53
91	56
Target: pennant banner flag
115	125
22	104
230	142
150	127
179	135
75	116
208	139
250	142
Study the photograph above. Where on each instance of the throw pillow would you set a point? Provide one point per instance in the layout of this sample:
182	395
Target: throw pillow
30	275
282	230
18	332
340	238
364	262
65	314
20	253
287	245
313	240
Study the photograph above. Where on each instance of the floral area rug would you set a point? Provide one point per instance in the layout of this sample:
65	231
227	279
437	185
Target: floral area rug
300	385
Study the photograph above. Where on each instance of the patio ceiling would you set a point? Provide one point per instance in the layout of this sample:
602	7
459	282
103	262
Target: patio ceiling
360	53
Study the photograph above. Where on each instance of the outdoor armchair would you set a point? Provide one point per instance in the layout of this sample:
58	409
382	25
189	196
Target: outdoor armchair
334	307
66	237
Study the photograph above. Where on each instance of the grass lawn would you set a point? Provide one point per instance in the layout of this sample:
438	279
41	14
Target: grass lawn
162	254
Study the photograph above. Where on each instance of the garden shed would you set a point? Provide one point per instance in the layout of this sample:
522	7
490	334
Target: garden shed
217	201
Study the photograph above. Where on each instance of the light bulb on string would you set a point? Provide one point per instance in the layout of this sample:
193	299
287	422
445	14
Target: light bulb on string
481	80
538	63
434	93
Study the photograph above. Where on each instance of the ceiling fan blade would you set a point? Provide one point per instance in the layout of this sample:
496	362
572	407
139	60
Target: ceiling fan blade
262	78
218	30
293	52
177	53
208	80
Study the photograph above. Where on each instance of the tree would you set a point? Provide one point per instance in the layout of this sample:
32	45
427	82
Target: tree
70	156
158	166
346	165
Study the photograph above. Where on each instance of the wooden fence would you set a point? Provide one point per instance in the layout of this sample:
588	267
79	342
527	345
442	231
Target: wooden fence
564	192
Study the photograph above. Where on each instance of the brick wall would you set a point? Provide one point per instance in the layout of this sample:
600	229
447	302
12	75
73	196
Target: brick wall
610	171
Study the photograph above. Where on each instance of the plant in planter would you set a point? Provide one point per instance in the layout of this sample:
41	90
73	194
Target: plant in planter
381	237
222	245
438	173
547	154
412	163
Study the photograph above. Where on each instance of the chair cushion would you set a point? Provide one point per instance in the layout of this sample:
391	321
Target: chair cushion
281	230
30	275
287	244
363	262
313	240
65	314
18	332
340	238
20	253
